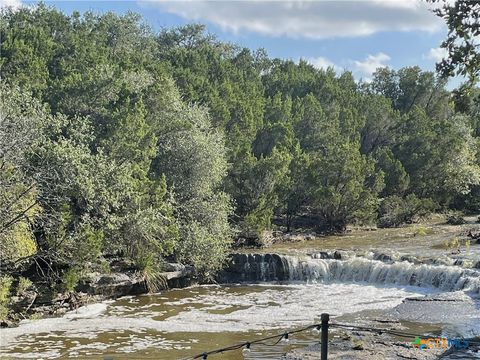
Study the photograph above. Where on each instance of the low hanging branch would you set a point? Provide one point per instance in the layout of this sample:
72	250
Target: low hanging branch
18	217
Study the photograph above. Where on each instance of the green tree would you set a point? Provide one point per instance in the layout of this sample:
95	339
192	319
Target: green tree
462	42
192	157
345	187
22	121
410	87
445	148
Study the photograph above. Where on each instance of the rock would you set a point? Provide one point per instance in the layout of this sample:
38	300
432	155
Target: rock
338	255
61	311
386	258
113	285
321	255
409	258
6	323
466	263
122	265
445	261
112	279
366	347
455	220
266	239
180	278
169	267
452	307
255	267
24	302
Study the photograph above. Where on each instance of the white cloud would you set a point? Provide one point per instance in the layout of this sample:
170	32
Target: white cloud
368	66
14	4
308	19
361	69
372	62
323	63
436	54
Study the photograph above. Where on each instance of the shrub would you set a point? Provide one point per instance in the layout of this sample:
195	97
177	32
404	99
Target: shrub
455	219
23	285
395	210
452	244
205	249
150	269
422	231
70	279
5	287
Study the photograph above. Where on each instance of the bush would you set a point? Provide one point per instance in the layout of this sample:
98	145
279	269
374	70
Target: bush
205	249
70	279
452	244
422	231
5	287
23	285
395	210
455	219
150	268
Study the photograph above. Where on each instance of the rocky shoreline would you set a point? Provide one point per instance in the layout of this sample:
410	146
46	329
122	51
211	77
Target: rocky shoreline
93	288
365	346
253	267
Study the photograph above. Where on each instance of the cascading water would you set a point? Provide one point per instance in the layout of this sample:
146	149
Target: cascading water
272	267
180	322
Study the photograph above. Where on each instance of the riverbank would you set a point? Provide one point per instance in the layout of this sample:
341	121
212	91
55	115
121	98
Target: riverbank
93	288
430	243
431	237
406	318
263	294
363	346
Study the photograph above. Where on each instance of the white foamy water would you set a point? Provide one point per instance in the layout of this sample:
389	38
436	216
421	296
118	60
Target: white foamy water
186	319
264	267
139	321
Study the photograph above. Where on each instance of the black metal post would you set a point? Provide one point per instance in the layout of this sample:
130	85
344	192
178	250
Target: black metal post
324	341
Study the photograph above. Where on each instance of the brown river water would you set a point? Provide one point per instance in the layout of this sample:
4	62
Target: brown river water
180	323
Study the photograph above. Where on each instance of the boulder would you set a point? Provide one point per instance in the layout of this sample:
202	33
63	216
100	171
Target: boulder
113	285
383	257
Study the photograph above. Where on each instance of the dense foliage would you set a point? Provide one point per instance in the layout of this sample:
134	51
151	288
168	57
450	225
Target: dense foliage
462	43
115	139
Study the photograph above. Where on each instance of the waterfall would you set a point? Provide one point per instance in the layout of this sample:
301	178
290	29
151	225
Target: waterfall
273	267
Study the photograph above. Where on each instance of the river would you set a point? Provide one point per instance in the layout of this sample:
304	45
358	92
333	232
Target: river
183	322
287	293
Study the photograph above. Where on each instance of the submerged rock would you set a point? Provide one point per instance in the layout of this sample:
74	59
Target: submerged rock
410	258
447	307
321	255
383	257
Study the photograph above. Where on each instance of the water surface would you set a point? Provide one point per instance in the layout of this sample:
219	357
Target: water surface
184	322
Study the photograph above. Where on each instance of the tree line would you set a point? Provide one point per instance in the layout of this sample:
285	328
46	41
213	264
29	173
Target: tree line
119	140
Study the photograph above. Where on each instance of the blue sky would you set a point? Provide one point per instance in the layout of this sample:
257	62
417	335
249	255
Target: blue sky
355	35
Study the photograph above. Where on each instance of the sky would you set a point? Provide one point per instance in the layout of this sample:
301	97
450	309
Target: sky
357	35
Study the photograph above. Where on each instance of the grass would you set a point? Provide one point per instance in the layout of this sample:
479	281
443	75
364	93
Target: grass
151	271
423	230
